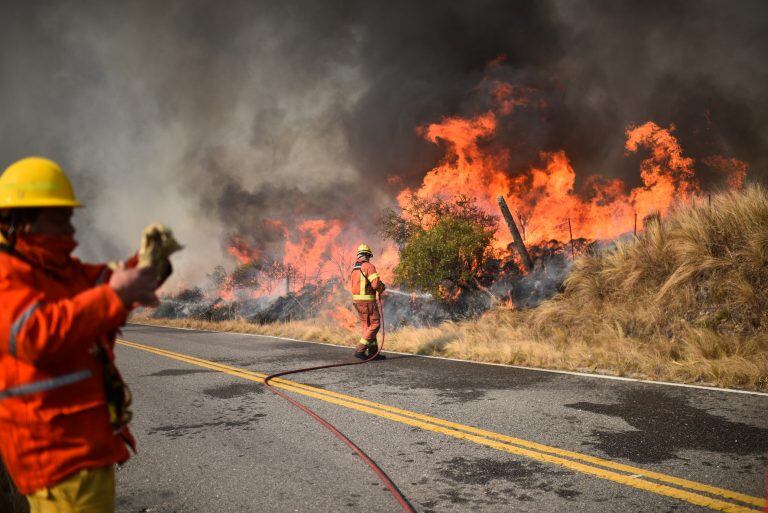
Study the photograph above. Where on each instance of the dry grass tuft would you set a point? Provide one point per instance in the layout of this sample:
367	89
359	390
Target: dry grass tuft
686	301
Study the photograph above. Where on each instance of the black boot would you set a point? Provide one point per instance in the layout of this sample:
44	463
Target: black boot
360	352
372	351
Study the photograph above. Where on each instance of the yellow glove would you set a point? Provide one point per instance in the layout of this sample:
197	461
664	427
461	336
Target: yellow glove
157	245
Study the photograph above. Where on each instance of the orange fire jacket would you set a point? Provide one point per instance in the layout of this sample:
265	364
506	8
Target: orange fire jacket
365	289
54	418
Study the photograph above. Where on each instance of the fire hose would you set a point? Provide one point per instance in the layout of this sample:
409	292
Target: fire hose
383	477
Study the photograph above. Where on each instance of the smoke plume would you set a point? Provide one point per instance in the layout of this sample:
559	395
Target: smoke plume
218	117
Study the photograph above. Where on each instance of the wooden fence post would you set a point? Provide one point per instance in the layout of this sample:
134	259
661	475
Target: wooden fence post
525	258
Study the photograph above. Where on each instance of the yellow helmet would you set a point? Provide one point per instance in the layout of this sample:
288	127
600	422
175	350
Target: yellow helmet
364	249
36	182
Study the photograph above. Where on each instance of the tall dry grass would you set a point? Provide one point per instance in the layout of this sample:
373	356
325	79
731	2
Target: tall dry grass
689	295
685	301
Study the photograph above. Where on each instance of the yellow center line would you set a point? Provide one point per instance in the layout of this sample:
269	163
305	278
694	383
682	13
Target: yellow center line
498	441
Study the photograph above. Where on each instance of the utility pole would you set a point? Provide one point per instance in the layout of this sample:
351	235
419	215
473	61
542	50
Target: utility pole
570	232
525	258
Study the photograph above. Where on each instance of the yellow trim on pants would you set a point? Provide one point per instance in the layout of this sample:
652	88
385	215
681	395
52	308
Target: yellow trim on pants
86	491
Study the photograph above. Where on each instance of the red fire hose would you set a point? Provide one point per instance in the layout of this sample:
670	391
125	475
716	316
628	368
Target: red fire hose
383	477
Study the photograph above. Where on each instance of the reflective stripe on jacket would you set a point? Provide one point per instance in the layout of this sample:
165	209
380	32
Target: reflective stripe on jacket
53	413
364	281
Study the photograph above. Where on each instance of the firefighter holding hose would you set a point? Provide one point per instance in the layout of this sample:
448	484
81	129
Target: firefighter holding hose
365	283
64	407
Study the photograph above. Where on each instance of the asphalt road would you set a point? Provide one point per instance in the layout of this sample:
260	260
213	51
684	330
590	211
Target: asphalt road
463	436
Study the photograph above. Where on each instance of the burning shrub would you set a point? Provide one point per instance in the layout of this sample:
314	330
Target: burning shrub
444	245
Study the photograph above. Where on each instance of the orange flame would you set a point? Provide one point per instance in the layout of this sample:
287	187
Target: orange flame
240	250
466	169
344	317
310	250
733	169
543	197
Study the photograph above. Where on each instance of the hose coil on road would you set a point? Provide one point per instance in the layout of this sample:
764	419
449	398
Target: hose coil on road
383	477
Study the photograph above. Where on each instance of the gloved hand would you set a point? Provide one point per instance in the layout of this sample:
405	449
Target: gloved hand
157	245
382	287
135	287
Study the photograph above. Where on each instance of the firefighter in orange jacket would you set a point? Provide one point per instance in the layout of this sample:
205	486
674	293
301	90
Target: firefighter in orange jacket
364	284
63	405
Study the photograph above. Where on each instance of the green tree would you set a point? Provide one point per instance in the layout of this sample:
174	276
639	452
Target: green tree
443	244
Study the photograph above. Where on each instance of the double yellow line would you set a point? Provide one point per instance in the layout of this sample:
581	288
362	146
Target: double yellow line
719	499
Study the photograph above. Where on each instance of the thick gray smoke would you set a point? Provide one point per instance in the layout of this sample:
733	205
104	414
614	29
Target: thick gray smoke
204	116
598	65
212	117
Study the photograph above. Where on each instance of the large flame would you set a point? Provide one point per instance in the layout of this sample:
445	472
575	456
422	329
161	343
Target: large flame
542	197
311	248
